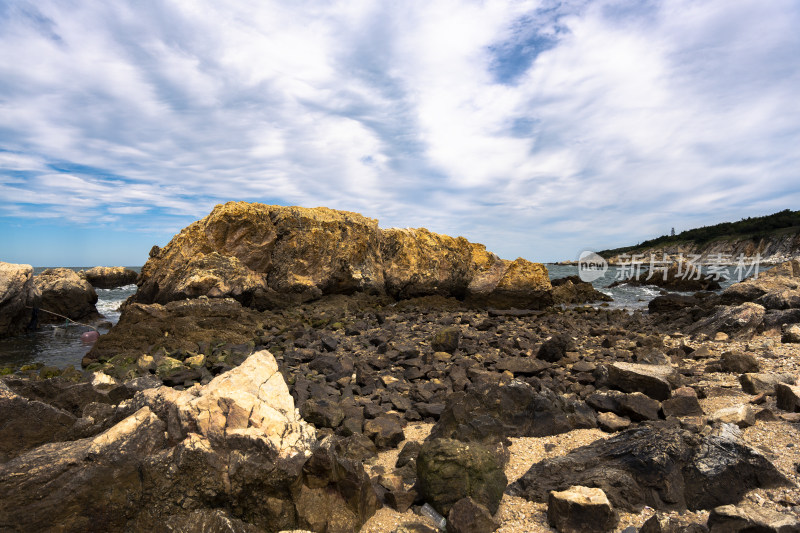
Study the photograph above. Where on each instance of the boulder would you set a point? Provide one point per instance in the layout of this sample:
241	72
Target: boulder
274	256
739	322
788	397
556	347
661	467
236	443
635	405
65	292
791	334
659	523
385	431
763	382
19	296
741	415
449	470
684	402
738	362
206	520
110	277
492	413
572	290
777	288
655	381
732	518
608	421
578	509
468	516
670	303
446	340
186	326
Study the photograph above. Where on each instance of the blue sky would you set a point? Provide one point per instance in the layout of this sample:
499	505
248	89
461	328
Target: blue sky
539	128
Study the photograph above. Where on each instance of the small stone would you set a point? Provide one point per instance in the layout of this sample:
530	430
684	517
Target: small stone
611	423
446	340
581	509
385	431
741	415
788	397
468	516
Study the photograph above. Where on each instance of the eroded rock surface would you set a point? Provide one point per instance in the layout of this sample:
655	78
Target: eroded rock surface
18	296
65	292
110	277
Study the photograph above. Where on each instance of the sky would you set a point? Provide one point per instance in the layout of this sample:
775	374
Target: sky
539	128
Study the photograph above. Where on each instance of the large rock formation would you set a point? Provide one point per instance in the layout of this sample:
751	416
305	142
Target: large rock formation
18	297
110	277
272	256
777	288
65	292
232	452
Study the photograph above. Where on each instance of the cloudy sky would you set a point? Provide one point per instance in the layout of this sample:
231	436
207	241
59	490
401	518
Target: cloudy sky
540	128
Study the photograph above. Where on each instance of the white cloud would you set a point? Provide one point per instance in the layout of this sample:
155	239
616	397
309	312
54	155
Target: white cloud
627	117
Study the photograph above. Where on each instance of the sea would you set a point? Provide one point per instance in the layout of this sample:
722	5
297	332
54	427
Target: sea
60	345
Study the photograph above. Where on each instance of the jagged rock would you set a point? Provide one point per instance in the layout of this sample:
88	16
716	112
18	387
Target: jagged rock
65	292
109	277
763	383
635	405
492	413
788	397
27	424
653	380
274	256
449	470
322	413
777	288
468	516
18	296
664	468
739	322
236	443
580	509
522	366
732	518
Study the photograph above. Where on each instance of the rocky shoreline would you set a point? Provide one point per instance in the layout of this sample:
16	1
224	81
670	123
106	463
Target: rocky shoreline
362	410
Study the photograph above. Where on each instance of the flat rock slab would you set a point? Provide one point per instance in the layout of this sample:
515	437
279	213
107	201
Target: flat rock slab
731	518
652	380
581	509
664	468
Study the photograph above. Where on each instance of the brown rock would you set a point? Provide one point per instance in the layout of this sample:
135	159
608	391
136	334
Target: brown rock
65	292
468	516
18	296
110	277
788	397
581	509
732	518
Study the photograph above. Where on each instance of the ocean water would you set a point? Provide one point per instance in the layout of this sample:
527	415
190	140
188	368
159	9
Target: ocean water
60	345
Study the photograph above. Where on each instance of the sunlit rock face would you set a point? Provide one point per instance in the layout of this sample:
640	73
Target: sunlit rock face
272	256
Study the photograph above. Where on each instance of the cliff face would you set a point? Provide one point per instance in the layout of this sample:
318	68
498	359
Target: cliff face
773	250
271	256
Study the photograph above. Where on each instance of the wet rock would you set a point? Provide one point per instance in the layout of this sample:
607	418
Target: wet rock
449	470
579	509
468	516
788	397
66	293
385	431
652	380
492	413
109	277
670	303
572	290
763	383
775	289
739	322
732	518
18	296
664	468
446	340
